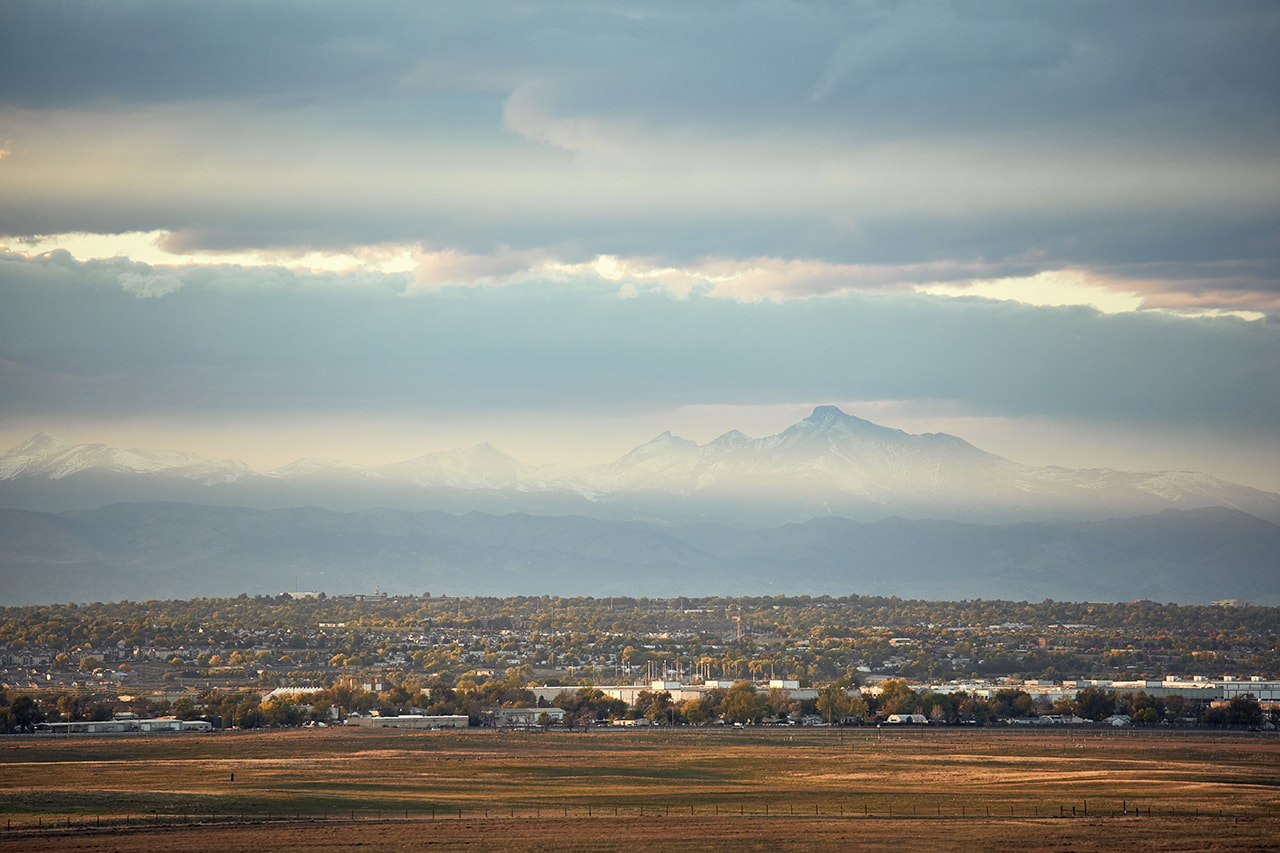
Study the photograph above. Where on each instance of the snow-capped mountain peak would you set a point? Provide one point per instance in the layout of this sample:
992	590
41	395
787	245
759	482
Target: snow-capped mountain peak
45	456
829	463
665	443
29	457
480	466
829	421
732	440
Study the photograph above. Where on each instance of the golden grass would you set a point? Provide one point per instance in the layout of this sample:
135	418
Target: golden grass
338	786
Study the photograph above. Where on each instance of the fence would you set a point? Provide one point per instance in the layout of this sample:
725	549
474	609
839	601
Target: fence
918	809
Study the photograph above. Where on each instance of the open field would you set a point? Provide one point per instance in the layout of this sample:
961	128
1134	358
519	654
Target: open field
860	789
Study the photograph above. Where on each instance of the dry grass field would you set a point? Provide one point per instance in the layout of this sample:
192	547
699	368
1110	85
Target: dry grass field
780	789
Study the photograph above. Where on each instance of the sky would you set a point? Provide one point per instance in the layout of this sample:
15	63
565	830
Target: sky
369	231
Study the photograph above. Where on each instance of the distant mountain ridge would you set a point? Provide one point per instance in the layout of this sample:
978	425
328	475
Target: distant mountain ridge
828	464
170	550
44	455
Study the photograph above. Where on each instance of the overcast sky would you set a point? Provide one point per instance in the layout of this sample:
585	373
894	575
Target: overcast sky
368	231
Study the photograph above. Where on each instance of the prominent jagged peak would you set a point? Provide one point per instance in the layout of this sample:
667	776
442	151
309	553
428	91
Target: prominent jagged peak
832	418
665	443
731	440
832	414
834	428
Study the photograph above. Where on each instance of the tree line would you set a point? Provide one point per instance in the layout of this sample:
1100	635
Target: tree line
741	703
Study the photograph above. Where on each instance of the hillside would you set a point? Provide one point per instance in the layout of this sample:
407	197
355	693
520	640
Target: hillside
169	550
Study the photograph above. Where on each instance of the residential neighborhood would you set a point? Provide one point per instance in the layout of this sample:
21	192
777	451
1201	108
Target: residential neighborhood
435	662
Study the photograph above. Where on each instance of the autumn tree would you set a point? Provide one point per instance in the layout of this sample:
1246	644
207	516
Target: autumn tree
897	697
742	704
835	703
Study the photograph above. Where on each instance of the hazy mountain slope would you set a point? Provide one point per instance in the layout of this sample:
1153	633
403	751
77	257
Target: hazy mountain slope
828	464
46	456
176	550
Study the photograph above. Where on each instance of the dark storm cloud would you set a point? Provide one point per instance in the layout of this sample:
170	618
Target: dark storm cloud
875	65
1083	112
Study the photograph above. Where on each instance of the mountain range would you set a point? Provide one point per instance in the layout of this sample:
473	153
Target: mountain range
167	550
831	505
828	464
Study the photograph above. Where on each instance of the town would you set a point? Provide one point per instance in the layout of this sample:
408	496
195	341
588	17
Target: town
419	661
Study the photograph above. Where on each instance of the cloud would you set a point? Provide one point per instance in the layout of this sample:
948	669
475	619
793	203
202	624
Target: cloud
266	340
149	285
1241	289
450	267
849	134
1071	287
